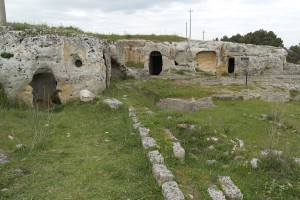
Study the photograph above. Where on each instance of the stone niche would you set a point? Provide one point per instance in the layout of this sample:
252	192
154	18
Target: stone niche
48	69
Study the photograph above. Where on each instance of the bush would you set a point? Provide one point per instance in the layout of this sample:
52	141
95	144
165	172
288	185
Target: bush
7	55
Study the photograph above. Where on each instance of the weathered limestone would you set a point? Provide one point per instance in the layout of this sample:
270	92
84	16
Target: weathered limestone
161	174
170	135
149	142
178	151
113	103
86	96
185	105
216	194
208	56
266	153
171	191
155	157
230	189
3	159
254	163
144	132
76	62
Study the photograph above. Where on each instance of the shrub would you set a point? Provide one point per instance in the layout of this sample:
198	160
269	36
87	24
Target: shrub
7	55
294	93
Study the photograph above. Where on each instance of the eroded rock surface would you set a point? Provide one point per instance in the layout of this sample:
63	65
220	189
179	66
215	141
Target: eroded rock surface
76	62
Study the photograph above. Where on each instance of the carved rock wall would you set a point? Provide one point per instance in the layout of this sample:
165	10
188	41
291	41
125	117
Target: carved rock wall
77	62
210	56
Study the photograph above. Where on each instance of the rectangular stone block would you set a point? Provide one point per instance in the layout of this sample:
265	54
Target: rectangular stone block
171	191
161	174
155	157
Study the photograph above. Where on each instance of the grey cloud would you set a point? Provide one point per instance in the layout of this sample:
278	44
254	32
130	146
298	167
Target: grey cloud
101	5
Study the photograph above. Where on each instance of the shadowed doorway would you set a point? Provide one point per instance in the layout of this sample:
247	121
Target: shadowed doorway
231	65
44	92
155	63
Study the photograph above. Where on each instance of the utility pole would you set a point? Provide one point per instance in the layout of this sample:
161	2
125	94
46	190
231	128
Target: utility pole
203	34
190	11
186	30
2	12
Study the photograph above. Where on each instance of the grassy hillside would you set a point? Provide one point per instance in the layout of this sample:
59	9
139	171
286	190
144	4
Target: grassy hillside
65	30
88	151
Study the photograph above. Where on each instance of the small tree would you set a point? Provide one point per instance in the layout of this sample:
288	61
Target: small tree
294	54
260	37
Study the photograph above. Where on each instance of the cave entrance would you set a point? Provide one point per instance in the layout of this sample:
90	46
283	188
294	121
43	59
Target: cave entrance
155	63
231	65
44	92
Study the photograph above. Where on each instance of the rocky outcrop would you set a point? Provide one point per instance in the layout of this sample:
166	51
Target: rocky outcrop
72	63
209	56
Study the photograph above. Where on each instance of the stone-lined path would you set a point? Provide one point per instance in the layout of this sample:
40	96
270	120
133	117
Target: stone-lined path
161	173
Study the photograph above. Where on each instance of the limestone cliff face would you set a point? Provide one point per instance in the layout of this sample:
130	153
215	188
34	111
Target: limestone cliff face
77	62
209	56
45	68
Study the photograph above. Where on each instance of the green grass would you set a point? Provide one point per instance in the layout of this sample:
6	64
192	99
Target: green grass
67	30
84	151
230	120
101	159
133	64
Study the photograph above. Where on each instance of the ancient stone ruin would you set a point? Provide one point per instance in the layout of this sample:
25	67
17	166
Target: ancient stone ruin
45	69
214	57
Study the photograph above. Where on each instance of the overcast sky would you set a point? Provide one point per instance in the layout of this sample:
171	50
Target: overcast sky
216	17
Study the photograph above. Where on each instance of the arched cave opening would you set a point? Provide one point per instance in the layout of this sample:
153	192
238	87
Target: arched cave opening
44	92
231	65
155	63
